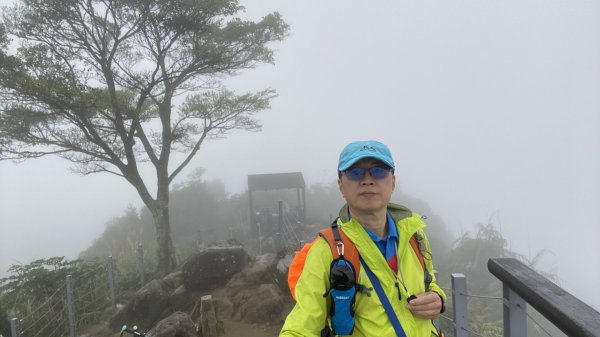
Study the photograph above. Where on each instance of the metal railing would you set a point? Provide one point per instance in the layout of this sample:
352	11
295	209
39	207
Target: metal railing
522	286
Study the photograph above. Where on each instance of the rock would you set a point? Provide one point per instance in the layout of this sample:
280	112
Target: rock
182	299
178	324
148	303
223	307
259	305
255	292
263	264
255	295
284	264
173	280
260	271
213	267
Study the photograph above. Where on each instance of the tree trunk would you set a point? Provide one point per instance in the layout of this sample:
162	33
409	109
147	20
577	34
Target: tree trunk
166	250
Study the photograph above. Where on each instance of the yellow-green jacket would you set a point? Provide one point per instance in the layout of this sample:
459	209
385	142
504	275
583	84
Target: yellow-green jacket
310	314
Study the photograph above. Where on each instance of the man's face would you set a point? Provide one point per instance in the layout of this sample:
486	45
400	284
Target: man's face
367	194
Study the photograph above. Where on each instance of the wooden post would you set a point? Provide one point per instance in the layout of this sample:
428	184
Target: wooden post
208	318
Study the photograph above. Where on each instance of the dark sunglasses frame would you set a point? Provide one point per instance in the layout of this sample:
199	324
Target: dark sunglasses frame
376	172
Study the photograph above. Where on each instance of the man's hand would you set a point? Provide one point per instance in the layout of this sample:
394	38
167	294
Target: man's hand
426	305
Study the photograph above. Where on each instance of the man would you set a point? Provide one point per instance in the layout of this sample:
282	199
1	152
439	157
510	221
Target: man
381	232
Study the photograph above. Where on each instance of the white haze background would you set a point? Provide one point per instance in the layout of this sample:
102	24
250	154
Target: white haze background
491	110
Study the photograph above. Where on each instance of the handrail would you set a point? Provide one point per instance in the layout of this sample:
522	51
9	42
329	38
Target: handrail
567	312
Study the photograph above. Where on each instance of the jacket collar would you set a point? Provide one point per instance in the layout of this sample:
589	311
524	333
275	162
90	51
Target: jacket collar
407	223
398	213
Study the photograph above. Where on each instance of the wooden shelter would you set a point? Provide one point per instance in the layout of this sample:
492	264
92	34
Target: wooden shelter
278	181
271	182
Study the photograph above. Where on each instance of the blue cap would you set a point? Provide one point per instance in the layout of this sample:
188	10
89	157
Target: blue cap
356	151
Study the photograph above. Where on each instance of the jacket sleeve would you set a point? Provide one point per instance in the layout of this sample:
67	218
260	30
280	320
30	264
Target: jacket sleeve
429	262
309	315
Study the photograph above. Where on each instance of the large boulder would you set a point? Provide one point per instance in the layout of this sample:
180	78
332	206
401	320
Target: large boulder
259	305
213	267
253	296
261	270
283	265
178	324
148	304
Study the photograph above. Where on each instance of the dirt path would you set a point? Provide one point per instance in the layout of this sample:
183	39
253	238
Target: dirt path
239	329
232	329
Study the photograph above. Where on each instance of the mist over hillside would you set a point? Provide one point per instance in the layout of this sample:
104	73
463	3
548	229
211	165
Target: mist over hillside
490	109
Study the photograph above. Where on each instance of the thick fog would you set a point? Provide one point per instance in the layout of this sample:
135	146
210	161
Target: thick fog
491	110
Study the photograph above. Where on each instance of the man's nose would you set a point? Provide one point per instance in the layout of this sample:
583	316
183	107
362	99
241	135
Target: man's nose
367	178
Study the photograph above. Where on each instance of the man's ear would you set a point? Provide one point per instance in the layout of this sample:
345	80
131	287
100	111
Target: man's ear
341	188
393	183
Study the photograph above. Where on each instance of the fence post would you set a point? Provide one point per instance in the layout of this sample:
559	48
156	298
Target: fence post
71	306
15	330
280	226
141	264
515	313
259	239
111	282
459	305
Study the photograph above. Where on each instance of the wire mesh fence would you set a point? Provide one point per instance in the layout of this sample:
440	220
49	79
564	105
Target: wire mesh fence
93	292
44	321
292	234
49	316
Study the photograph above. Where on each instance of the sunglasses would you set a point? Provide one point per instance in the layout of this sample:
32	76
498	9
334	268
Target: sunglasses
376	172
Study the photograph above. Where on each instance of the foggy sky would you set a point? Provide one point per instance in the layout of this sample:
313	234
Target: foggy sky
491	110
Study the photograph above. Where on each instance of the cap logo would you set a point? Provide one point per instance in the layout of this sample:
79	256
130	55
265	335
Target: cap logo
368	148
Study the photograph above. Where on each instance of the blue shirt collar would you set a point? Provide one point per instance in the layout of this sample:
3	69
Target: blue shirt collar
392	231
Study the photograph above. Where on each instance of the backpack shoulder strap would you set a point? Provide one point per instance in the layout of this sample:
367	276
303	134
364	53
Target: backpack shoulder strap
416	242
350	252
341	245
415	246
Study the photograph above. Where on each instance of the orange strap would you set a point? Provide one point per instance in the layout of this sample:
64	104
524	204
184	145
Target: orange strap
350	251
415	246
350	254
